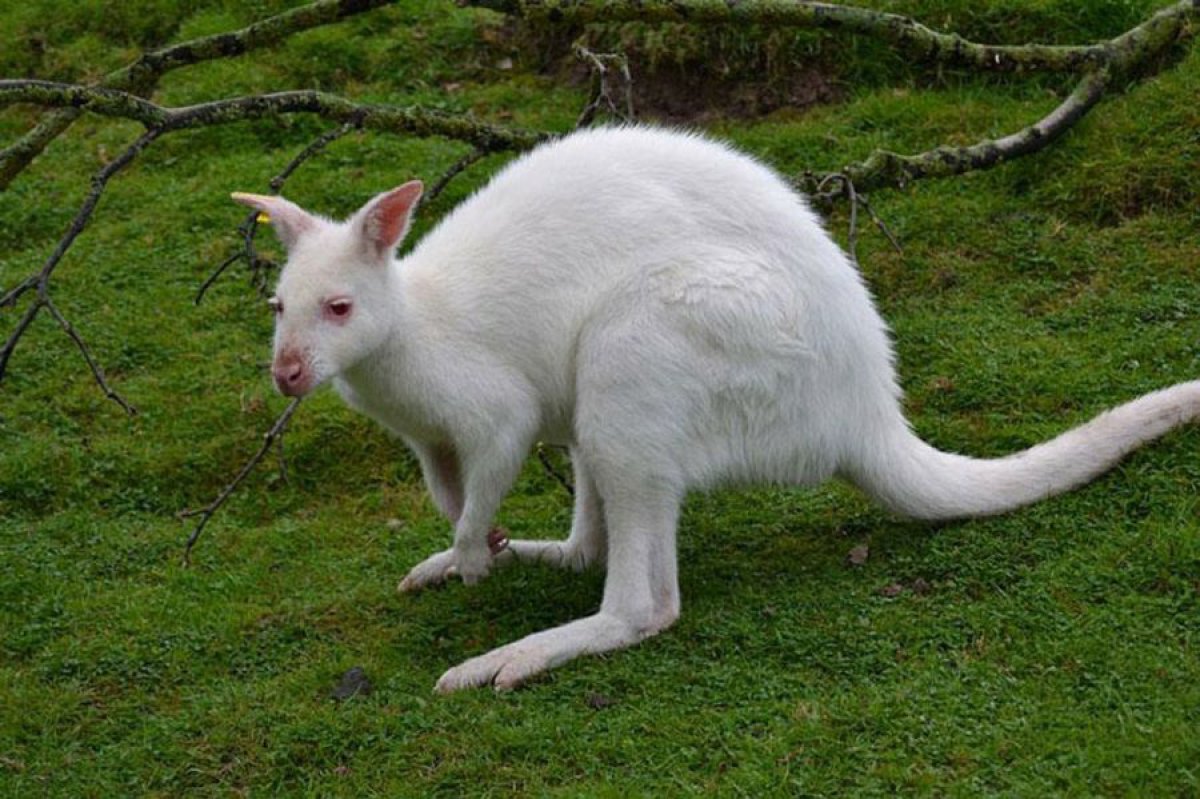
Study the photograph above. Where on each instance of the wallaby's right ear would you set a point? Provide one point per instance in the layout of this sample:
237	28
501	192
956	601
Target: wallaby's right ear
385	220
288	219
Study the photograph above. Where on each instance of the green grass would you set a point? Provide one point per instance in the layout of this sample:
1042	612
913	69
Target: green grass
1057	650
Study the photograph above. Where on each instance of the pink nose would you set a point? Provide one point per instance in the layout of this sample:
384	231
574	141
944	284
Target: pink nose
290	376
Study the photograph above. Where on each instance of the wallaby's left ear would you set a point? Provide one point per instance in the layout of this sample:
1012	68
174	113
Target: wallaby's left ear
384	220
289	220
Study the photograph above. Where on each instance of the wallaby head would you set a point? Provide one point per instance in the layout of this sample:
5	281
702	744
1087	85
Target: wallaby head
334	303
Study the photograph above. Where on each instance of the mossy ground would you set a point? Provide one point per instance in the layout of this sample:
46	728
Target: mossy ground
1055	650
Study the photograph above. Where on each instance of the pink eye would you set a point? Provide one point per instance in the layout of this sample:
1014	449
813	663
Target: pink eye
338	309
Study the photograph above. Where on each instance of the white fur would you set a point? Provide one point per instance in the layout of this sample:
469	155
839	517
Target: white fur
674	313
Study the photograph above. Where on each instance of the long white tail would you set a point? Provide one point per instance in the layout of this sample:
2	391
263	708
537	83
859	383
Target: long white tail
911	477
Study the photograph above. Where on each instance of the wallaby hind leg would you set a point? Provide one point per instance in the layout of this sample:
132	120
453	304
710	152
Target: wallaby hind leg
586	544
641	597
443	478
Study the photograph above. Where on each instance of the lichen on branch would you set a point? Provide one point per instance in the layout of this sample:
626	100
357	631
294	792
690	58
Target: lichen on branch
886	169
412	120
903	32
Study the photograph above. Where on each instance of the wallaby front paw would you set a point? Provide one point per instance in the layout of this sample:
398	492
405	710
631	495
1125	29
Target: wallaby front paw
469	565
434	570
473	564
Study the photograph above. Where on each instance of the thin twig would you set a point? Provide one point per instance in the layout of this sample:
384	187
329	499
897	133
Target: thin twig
12	296
228	262
207	512
315	146
97	371
552	470
84	215
11	343
260	267
879	223
454	171
602	92
846	190
826	194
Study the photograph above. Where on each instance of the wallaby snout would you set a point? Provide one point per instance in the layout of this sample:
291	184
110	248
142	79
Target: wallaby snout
292	376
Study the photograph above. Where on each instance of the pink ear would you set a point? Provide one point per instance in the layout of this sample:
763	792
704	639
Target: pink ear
386	218
288	219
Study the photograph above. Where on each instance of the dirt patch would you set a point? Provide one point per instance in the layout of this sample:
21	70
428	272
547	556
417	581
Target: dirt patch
679	95
705	79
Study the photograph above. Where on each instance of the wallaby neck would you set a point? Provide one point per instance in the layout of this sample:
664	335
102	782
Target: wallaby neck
388	384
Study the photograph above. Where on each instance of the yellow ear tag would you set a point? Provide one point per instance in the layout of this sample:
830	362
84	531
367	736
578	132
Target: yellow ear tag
263	217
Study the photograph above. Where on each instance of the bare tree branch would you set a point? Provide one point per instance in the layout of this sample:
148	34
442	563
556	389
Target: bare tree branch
207	512
11	343
885	169
315	146
836	185
450	174
903	32
413	120
543	455
238	255
142	75
11	297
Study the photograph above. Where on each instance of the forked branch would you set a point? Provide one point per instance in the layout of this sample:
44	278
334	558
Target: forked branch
39	283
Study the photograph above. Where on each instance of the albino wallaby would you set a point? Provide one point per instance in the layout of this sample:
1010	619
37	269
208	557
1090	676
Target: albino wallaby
671	311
